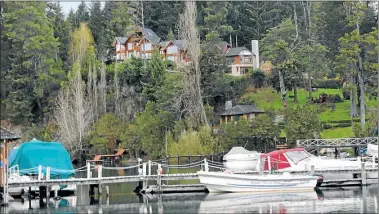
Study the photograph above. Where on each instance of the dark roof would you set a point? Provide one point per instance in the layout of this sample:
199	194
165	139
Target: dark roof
241	109
181	44
5	134
121	40
163	43
150	35
222	45
235	51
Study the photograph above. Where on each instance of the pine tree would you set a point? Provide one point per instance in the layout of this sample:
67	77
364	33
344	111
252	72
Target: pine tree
216	25
81	14
96	24
170	35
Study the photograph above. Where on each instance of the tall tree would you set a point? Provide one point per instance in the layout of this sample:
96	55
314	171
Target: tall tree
34	73
81	14
215	21
96	24
154	77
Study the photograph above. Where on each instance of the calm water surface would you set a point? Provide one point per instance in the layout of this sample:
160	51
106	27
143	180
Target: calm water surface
122	200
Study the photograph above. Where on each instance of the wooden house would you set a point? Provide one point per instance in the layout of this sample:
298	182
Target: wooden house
175	51
240	60
238	112
141	43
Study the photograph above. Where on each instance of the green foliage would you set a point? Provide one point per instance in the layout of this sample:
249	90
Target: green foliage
215	20
192	142
106	132
331	84
147	133
302	122
372	115
33	75
44	133
258	78
243	131
154	77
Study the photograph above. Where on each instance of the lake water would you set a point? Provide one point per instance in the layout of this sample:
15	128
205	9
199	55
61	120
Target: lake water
123	200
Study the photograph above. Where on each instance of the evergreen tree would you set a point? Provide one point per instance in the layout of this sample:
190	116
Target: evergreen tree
154	77
97	26
170	35
81	14
34	74
215	21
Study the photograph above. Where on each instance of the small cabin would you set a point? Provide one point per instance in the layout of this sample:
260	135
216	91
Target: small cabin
238	112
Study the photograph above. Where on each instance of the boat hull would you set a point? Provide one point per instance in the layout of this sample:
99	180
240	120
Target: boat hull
241	165
223	182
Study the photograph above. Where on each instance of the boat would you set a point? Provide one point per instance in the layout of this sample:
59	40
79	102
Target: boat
25	160
240	159
240	182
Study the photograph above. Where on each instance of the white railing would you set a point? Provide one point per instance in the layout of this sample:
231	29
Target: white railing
337	142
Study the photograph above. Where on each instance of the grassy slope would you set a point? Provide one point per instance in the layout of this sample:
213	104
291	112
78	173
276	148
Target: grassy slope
267	98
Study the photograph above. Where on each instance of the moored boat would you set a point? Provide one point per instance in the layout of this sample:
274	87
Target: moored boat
240	159
236	182
25	160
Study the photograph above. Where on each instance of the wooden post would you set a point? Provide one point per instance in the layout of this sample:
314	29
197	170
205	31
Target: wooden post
269	163
144	175
312	169
100	189
39	172
206	169
363	174
149	167
190	158
159	182
47	173
107	190
178	159
100	171
88	170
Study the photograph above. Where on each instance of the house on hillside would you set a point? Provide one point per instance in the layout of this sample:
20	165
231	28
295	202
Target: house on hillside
141	43
240	60
175	51
245	112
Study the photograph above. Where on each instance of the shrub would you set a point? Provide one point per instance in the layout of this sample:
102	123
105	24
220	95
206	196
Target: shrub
331	84
258	78
336	98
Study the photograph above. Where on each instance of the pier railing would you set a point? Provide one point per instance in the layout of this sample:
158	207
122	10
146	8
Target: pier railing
337	142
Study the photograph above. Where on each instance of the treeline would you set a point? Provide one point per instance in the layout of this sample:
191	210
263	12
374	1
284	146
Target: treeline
55	81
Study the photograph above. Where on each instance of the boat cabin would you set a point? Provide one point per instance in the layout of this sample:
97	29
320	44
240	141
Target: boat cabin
284	158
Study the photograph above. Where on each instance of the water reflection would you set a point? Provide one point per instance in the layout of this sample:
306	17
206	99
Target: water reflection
341	200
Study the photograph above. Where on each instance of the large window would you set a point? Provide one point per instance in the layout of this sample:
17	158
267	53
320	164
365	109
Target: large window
172	49
147	47
172	58
130	46
297	156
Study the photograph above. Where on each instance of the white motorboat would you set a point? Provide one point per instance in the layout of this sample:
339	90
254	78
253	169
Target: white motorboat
232	182
240	159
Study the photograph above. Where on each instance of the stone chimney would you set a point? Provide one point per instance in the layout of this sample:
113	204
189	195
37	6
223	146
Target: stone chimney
228	104
255	51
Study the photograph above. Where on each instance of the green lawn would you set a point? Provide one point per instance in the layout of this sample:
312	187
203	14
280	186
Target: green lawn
268	98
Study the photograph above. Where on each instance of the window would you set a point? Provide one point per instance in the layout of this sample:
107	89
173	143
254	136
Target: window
130	46
297	156
172	58
172	49
147	47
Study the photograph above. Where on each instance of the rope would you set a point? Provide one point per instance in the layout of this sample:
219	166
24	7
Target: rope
180	167
190	164
118	168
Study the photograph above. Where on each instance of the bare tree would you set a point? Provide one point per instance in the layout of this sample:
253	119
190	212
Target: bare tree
192	75
73	112
103	88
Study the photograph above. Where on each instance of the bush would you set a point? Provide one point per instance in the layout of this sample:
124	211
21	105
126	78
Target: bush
336	98
258	78
331	84
346	95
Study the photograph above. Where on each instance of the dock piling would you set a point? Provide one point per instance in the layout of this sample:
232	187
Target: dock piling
107	190
39	172
206	169
100	171
47	173
88	170
363	174
144	175
149	167
312	169
159	182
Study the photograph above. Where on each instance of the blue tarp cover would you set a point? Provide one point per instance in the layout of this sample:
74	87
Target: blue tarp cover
47	154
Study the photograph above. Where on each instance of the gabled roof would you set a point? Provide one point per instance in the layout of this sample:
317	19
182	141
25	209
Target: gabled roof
5	134
164	43
121	40
181	44
223	45
241	109
236	51
150	35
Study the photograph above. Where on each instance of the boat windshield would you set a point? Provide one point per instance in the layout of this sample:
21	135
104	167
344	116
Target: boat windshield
297	156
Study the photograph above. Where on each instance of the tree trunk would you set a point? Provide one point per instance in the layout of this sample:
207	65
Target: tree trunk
282	89
353	104
361	85
309	86
295	94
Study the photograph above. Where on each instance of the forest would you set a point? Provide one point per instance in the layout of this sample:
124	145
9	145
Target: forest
59	82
